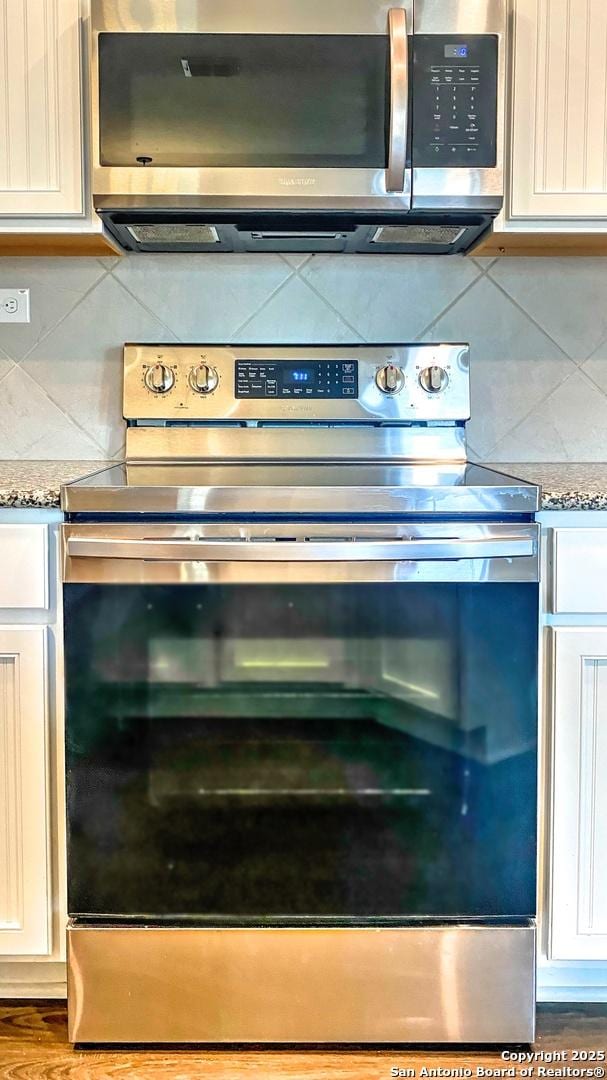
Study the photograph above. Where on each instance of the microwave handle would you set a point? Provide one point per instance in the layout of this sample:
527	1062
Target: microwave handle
399	99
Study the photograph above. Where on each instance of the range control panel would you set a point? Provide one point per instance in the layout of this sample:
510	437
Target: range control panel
209	383
455	101
305	378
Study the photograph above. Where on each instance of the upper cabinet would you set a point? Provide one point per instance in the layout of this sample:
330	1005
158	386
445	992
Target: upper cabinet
41	154
555	199
558	152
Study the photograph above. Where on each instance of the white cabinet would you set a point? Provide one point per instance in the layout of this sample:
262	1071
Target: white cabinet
558	151
572	954
41	154
24	793
578	885
32	801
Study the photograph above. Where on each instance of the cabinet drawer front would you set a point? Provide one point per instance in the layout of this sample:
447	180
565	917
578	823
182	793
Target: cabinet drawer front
580	570
23	566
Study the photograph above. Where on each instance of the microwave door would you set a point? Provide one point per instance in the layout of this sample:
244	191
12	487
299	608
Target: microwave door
299	107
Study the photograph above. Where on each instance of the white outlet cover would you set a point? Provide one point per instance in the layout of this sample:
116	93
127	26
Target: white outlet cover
14	305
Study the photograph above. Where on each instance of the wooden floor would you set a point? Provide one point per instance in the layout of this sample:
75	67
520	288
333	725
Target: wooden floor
34	1046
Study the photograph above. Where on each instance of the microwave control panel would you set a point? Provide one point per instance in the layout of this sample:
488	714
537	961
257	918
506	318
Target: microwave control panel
455	101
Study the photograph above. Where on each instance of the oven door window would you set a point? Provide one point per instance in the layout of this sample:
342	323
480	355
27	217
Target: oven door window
243	101
291	752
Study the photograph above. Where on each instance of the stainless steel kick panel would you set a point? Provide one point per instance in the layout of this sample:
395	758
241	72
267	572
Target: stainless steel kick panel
442	984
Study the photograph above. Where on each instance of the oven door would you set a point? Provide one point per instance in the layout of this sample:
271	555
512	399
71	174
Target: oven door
301	724
264	103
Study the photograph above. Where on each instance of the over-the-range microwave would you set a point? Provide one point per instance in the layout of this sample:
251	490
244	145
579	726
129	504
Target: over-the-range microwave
298	125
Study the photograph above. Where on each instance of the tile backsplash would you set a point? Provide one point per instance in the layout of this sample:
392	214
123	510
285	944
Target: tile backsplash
537	330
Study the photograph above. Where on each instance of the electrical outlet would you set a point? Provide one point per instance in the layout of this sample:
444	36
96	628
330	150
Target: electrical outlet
14	305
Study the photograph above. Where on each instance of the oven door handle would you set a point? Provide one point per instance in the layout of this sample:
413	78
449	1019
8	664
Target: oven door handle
293	551
399	99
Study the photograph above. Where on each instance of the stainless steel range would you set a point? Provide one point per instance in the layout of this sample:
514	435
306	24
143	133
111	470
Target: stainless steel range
301	672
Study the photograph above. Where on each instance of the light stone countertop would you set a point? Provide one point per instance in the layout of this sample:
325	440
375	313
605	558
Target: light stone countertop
565	486
37	483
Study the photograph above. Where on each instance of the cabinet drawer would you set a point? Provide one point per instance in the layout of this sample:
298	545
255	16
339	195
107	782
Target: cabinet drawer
580	570
23	566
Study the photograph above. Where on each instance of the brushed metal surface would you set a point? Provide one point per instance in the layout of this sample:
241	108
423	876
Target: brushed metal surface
187	549
375	445
263	189
245	16
309	553
347	490
399	100
439	984
411	403
459	16
146	572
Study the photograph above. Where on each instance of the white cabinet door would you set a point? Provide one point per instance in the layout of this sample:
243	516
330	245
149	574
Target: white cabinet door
558	148
578	909
40	108
24	834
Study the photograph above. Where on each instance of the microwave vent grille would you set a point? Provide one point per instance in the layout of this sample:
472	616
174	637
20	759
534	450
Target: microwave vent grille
163	233
417	234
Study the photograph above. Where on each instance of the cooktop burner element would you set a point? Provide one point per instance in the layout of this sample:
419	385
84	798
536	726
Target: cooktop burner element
314	430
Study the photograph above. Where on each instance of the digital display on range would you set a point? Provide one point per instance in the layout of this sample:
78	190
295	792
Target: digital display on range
298	376
308	379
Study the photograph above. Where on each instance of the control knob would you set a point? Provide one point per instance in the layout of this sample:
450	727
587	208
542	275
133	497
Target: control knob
203	379
390	379
159	378
433	379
